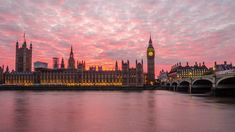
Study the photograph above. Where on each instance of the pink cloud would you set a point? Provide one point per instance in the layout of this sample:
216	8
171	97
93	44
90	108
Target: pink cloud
102	32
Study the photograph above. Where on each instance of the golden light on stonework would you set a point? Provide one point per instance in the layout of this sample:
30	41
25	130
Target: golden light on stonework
190	74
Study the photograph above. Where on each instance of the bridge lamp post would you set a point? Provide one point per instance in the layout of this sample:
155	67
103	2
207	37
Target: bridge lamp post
190	85
176	87
214	84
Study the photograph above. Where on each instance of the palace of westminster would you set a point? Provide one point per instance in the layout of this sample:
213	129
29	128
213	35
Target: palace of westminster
76	72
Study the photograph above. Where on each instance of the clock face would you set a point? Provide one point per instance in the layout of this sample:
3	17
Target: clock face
150	53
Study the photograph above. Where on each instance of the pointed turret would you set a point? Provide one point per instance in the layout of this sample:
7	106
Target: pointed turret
71	51
24	37
62	64
7	69
17	44
196	65
31	45
71	62
24	44
150	39
116	66
84	65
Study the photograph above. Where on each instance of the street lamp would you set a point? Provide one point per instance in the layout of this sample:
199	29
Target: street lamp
190	85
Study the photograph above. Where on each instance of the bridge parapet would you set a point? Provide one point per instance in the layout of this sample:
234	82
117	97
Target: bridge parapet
225	74
207	83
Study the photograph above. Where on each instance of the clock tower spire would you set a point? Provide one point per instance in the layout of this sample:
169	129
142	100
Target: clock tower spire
150	63
71	63
150	40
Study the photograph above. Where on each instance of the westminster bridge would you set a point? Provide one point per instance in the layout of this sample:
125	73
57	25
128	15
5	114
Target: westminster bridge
214	83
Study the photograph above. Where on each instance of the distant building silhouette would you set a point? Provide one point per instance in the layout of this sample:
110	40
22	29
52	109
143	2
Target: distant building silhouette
40	65
179	71
55	63
62	66
222	67
163	75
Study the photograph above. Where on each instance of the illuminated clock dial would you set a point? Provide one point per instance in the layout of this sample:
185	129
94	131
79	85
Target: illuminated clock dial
150	53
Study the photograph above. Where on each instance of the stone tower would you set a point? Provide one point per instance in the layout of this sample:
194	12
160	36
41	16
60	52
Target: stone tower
62	66
23	61
125	73
116	66
150	63
71	62
139	73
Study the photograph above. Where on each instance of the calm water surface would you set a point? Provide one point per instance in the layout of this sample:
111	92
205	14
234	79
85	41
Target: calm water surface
113	111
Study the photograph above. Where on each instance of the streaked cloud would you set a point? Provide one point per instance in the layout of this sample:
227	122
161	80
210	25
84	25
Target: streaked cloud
103	31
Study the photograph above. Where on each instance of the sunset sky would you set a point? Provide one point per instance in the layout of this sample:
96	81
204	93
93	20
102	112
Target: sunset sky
103	31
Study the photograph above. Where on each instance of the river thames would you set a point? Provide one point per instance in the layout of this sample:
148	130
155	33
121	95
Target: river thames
114	111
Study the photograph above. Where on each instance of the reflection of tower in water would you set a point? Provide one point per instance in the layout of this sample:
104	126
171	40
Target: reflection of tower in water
21	111
151	113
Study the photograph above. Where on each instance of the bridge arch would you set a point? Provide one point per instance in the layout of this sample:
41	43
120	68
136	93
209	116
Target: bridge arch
202	86
168	84
163	83
184	86
174	83
184	83
228	81
202	79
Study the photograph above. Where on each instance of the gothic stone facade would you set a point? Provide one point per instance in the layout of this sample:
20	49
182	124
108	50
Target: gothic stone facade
72	75
81	77
23	61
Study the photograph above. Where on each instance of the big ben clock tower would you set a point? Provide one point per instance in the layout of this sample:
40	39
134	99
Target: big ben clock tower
151	64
